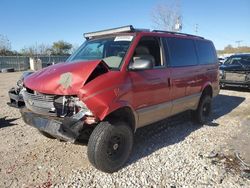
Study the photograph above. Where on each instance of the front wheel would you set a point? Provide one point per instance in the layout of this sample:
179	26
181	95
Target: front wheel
204	109
110	145
46	134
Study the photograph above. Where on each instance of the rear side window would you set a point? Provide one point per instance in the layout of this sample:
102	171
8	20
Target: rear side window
206	52
182	52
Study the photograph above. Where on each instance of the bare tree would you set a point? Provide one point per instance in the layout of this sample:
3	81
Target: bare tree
33	50
44	49
5	46
30	51
167	16
4	43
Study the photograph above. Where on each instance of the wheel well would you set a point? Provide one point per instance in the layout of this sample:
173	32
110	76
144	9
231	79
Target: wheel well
125	114
207	91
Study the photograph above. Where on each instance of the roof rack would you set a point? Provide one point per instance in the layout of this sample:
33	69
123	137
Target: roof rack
177	33
128	28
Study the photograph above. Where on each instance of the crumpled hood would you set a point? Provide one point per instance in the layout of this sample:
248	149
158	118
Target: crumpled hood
61	78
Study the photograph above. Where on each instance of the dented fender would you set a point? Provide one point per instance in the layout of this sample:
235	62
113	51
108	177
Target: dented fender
104	102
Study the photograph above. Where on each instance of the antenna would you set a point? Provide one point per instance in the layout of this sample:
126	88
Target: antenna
196	29
178	25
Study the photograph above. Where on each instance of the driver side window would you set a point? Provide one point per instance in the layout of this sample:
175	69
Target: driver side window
149	48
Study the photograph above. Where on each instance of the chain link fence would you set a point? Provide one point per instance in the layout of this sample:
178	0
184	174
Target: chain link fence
49	60
21	63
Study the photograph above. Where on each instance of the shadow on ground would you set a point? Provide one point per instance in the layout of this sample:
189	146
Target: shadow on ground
175	129
4	122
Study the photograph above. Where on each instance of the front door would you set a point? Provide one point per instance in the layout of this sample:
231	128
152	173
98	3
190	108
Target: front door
151	89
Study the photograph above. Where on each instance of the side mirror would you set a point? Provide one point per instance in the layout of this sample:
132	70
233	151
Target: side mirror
141	64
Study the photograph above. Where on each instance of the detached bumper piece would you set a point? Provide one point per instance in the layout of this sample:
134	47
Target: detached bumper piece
16	100
66	129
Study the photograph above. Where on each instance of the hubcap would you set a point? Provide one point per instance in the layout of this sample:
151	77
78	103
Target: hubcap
115	144
206	109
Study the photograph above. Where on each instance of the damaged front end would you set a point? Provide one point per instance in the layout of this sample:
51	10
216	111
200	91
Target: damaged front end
54	103
63	117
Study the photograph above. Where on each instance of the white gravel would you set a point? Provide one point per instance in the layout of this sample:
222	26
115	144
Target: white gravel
174	152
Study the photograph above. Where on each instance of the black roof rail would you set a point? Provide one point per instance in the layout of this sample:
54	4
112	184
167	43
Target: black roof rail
177	33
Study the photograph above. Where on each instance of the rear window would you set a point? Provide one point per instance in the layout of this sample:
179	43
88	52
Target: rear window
206	52
182	52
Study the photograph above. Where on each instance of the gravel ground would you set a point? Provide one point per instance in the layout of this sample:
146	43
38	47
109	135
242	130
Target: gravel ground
172	153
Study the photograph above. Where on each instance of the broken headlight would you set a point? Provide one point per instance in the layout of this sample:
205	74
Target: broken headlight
69	106
221	74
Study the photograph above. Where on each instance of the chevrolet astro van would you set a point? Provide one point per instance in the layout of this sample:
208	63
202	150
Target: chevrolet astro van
118	81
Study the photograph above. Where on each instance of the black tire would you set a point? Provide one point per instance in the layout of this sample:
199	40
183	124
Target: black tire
46	135
204	110
110	145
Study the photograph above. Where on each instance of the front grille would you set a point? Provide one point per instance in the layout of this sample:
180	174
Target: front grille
45	104
41	97
40	103
238	77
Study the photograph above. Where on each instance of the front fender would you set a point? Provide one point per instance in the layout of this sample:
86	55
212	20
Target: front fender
206	84
104	102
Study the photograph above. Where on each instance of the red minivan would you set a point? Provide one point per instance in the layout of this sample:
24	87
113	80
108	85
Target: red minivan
118	81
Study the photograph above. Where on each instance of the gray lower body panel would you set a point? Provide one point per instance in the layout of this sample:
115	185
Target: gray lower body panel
66	129
161	111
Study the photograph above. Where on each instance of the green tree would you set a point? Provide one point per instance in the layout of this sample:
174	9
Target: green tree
61	47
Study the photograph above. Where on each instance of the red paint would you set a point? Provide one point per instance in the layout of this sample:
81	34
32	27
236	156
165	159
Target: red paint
123	88
47	80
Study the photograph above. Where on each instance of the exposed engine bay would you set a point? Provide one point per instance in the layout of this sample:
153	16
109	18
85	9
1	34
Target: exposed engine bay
63	117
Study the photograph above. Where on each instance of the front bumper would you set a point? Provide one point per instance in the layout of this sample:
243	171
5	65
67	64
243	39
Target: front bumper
66	129
235	83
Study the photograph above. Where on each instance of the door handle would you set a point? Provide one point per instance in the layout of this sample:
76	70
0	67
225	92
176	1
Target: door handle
169	82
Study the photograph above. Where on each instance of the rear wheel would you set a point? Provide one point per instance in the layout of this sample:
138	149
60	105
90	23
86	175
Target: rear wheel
204	109
110	145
